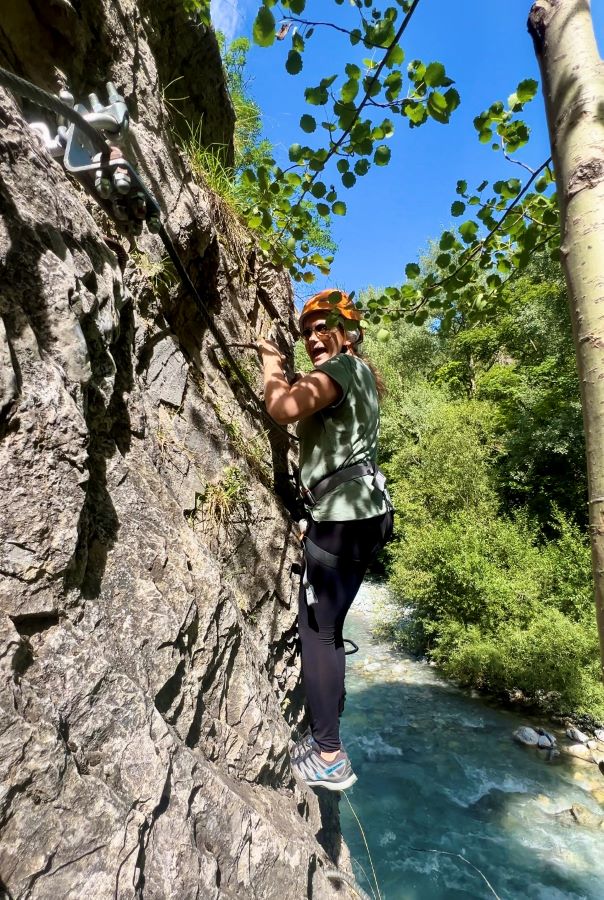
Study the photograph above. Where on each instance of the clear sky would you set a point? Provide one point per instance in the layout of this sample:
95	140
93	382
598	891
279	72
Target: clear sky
395	210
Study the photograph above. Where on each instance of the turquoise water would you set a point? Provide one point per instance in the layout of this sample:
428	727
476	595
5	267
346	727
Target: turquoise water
438	770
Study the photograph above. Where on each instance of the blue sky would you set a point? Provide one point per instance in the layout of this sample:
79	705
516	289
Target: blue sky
395	210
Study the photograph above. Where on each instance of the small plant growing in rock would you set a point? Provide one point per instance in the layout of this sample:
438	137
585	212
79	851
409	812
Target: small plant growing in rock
221	499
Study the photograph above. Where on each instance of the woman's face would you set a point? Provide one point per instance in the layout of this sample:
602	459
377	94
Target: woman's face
321	342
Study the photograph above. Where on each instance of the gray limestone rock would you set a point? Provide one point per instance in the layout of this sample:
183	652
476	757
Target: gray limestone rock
148	645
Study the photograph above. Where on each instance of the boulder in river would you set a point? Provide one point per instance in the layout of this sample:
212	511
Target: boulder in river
579	751
527	736
546	739
575	735
580	815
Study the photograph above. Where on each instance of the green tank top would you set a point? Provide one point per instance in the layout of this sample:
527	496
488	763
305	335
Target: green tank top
343	435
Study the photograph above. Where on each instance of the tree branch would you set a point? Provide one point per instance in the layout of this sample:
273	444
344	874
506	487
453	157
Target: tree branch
347	31
334	148
482	244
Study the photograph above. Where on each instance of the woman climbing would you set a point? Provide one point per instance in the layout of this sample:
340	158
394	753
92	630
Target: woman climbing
349	511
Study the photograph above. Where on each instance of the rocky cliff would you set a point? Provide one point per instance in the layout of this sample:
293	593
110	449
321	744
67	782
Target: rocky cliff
147	650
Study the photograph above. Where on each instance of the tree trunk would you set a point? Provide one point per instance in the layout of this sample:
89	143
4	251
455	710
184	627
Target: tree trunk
573	87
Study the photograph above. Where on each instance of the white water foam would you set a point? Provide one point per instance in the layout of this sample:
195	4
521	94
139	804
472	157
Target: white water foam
481	782
374	747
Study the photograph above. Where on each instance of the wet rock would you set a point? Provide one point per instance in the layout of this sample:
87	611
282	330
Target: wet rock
578	751
575	735
598	794
599	734
527	736
546	740
580	815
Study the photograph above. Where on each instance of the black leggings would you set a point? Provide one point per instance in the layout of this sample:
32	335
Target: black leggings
320	626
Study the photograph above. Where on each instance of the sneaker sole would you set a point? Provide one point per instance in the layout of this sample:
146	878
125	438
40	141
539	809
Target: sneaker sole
333	785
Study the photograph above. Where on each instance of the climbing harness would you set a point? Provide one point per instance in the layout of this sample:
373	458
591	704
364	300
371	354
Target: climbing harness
88	148
311	497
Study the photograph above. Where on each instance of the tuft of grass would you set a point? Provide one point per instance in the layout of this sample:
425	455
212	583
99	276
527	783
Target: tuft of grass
160	272
223	498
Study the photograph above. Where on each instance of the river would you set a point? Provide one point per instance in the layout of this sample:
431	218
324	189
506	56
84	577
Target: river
438	770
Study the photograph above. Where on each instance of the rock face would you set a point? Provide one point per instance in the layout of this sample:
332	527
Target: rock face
148	679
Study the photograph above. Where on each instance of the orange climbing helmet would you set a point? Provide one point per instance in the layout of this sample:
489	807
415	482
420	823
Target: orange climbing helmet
327	300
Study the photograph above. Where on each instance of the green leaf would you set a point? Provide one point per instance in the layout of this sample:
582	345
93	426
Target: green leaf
339	208
526	90
468	231
318	189
382	335
415	112
295	152
308	123
316	96
381	157
348	179
323	209
443	260
264	27
412	270
343	165
293	63
352	71
453	99
297	6
447	240
458	208
462	187
435	74
393	84
349	90
396	56
437	107
361	166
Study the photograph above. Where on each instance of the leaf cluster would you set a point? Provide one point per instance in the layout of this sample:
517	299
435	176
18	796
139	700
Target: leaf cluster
252	188
351	113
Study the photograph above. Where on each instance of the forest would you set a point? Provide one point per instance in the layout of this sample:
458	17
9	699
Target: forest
483	445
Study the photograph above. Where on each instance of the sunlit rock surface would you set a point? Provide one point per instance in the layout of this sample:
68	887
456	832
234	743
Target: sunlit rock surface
147	653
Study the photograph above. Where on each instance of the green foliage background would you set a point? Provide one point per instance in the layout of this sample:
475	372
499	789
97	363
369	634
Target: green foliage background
482	444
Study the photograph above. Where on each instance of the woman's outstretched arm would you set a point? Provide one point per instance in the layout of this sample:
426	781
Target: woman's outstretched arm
287	402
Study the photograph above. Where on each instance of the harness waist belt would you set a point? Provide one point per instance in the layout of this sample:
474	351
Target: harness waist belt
322	487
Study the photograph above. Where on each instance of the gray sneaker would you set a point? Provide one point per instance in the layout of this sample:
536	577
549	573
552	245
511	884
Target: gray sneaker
315	771
302	746
306	743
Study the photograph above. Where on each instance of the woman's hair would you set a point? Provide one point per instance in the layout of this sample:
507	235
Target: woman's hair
356	337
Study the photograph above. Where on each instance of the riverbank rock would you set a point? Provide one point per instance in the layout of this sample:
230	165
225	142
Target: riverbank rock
576	736
527	736
579	751
580	815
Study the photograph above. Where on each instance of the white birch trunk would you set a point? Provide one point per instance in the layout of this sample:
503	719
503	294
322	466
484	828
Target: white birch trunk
573	87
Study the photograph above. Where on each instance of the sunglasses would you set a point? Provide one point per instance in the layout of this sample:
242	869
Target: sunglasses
319	329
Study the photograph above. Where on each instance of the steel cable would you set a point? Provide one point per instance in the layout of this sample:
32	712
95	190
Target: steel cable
43	98
48	101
